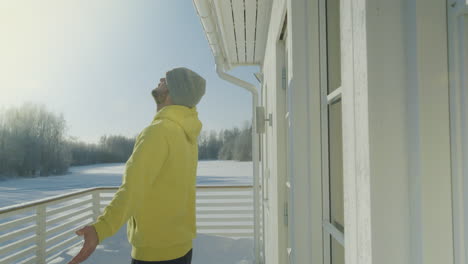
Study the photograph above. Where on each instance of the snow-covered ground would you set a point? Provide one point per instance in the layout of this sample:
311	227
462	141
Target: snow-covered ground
116	250
16	191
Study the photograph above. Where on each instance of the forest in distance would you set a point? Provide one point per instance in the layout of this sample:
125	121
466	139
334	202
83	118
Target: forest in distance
34	142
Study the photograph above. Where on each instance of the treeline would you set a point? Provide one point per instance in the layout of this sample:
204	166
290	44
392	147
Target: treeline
34	142
229	144
111	149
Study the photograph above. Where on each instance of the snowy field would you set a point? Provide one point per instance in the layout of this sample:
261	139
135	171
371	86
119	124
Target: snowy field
116	250
16	191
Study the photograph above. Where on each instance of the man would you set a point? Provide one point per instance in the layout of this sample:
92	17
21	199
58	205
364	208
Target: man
157	195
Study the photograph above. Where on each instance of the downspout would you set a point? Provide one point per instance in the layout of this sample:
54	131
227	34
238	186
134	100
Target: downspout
255	150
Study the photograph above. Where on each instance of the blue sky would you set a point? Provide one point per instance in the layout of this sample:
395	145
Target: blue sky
97	61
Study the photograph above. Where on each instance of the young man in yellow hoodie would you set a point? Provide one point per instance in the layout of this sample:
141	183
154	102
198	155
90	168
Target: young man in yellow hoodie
157	195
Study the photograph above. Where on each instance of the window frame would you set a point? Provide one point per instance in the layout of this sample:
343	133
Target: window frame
458	91
327	99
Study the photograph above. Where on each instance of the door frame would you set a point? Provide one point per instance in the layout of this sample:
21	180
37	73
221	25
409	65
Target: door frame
457	12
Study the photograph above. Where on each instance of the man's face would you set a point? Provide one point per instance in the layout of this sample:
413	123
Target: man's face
161	92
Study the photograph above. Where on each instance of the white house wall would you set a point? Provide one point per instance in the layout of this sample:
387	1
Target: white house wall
274	159
305	205
434	131
409	151
388	118
306	172
458	62
397	69
395	131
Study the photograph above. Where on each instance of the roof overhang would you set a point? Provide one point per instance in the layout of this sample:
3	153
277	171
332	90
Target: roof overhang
236	30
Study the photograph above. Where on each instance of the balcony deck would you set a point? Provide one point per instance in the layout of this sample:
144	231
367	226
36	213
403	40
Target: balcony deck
207	250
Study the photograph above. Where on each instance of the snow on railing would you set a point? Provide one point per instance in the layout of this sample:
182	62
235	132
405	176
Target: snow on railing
39	231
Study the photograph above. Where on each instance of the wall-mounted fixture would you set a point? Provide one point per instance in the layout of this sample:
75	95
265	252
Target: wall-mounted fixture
261	120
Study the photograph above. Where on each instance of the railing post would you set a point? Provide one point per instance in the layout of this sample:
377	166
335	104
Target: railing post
96	204
256	222
41	233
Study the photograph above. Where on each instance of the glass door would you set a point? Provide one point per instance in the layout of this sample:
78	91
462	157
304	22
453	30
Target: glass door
332	143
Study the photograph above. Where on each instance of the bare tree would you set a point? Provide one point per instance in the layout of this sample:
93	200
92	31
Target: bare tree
31	141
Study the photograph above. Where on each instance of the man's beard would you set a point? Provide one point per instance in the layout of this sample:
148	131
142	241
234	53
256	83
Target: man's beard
159	97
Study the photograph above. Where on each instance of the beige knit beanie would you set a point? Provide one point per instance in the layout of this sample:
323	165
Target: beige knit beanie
185	86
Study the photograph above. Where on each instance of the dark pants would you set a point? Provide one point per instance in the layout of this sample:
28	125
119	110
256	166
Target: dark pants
187	259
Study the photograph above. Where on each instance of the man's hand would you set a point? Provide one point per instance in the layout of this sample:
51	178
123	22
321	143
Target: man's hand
91	241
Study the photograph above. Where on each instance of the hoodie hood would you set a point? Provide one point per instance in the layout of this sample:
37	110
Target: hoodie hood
185	117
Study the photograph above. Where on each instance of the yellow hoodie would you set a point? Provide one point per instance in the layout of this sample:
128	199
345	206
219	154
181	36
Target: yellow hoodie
157	195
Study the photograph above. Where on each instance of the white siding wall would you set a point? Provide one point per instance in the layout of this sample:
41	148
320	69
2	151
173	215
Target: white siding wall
401	67
397	183
388	152
305	143
304	235
275	158
434	134
458	62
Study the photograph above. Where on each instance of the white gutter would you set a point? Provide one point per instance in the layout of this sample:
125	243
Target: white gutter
209	26
206	16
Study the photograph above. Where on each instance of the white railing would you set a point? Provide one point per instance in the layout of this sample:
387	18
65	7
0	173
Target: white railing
39	231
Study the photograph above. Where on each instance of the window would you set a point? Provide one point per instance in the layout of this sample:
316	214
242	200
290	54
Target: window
332	145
